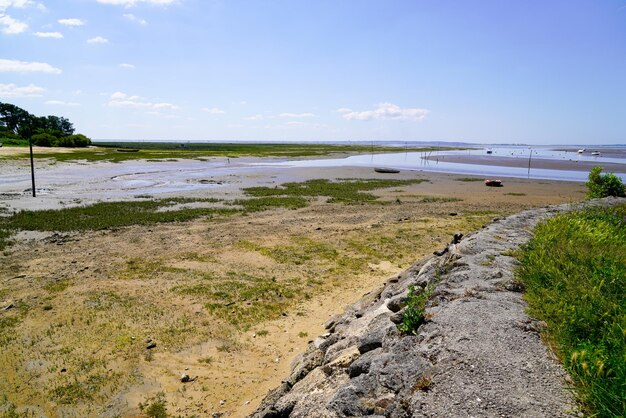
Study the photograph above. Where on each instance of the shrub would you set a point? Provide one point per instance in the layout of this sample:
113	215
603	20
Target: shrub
603	185
43	140
80	140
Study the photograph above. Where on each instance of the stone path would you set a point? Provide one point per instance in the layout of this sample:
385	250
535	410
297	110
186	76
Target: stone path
477	355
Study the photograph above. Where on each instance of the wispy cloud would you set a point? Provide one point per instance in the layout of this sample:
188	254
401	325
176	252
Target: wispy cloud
12	91
61	103
130	3
98	40
255	117
54	35
71	22
213	110
386	111
297	115
27	67
127	66
135	19
11	26
119	99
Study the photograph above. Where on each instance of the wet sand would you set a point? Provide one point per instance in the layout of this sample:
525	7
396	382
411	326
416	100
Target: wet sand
522	162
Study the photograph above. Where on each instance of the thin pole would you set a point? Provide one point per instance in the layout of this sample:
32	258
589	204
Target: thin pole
32	166
530	158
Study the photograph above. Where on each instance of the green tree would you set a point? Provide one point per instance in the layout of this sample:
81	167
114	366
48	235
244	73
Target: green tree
15	119
603	185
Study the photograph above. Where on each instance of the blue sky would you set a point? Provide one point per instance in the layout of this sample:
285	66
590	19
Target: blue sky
537	72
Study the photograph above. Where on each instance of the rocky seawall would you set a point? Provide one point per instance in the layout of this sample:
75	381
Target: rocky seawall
476	354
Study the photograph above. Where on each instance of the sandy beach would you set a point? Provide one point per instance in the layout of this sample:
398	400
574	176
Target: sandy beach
92	299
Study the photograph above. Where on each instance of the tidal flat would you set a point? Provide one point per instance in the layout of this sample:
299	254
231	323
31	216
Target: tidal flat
226	284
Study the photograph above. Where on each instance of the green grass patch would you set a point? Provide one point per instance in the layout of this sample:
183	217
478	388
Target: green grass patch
271	202
107	215
439	199
515	194
575	273
57	286
243	300
468	179
349	191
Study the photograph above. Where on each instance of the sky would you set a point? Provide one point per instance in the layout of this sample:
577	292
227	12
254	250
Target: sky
533	71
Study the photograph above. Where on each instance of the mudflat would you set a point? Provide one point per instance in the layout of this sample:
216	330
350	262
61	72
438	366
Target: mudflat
522	162
227	300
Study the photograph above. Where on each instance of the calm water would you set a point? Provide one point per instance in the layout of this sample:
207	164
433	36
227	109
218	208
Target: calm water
416	161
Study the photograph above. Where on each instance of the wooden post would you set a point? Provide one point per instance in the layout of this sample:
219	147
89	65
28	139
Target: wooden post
32	165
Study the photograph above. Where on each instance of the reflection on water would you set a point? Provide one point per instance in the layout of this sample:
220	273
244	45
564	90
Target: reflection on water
419	161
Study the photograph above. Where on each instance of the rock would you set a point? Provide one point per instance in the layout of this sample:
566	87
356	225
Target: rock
397	317
398	302
184	378
362	364
303	367
371	342
151	345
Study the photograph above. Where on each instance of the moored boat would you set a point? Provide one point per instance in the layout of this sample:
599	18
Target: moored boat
493	183
386	170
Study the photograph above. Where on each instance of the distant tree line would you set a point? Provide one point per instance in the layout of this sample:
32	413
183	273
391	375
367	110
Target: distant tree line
17	126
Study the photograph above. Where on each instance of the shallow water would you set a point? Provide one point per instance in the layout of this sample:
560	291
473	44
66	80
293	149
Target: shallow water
417	161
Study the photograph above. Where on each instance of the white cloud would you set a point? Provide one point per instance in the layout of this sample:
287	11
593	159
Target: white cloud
98	40
119	99
128	66
165	106
5	4
11	26
135	19
255	117
71	22
295	123
386	111
54	35
213	110
27	67
11	90
297	115
61	103
130	3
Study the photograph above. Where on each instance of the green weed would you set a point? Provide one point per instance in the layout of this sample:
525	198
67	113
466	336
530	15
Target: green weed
413	316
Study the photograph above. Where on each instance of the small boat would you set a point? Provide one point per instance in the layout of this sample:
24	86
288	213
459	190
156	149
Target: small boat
489	151
493	183
595	153
580	151
127	150
386	170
